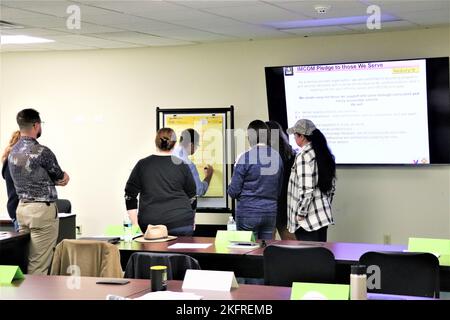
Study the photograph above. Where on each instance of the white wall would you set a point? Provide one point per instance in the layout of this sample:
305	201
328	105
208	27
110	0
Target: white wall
99	109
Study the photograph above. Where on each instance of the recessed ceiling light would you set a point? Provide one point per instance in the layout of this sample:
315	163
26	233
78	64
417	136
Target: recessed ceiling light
21	39
329	22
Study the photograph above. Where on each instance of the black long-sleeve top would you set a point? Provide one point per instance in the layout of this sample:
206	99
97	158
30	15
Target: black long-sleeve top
165	186
13	199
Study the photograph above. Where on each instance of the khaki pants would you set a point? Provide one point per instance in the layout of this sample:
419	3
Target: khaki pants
41	220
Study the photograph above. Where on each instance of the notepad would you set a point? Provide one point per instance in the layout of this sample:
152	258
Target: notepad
169	295
190	246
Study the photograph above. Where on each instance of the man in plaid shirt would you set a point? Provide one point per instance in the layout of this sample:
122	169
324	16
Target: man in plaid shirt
311	184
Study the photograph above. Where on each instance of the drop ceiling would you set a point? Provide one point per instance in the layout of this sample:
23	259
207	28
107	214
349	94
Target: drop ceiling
131	24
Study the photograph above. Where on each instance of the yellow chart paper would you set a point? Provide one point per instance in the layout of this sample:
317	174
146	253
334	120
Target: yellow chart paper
211	147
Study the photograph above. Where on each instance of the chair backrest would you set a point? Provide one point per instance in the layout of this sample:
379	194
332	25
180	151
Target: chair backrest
404	273
284	265
92	258
64	206
138	266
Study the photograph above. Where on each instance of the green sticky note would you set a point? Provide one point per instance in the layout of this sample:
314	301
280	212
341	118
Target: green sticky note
114	231
10	273
439	247
227	236
118	231
319	291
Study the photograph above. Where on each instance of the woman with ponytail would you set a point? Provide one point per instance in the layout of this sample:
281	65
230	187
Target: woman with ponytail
311	184
165	186
13	200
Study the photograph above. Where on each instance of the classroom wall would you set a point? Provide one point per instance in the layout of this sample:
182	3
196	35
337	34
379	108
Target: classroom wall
99	113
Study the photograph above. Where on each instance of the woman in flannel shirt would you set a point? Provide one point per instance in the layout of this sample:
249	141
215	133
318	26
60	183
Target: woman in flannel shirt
311	184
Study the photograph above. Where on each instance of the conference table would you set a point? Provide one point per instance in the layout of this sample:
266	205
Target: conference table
215	257
40	287
14	249
248	262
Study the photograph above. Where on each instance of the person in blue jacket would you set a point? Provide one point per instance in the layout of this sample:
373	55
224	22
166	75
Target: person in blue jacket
256	183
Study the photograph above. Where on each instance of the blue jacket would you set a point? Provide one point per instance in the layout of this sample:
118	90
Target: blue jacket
256	182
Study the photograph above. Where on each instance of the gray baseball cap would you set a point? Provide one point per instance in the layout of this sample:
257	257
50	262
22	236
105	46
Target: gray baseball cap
302	126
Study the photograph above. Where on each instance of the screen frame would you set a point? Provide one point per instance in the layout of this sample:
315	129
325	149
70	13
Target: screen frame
438	120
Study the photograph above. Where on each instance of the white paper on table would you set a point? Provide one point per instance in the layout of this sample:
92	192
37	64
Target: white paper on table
190	246
209	280
169	295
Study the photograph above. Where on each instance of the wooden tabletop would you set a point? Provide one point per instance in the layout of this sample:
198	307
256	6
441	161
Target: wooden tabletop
38	287
214	248
259	292
8	236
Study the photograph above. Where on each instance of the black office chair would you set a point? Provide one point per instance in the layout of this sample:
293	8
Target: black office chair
64	206
284	265
138	266
405	273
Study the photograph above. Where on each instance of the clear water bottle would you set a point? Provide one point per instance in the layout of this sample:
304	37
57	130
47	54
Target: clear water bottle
231	224
127	229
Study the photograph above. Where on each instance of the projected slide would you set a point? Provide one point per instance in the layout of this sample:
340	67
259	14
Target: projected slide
367	111
211	147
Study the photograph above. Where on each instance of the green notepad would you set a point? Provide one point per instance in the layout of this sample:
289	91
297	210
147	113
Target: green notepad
224	236
117	230
319	291
439	247
10	273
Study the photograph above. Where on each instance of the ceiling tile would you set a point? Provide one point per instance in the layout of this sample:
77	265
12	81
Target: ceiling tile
319	30
204	4
256	13
193	35
400	6
86	28
384	25
139	38
429	18
36	32
337	8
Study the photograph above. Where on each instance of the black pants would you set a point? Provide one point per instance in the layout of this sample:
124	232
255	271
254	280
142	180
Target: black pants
318	235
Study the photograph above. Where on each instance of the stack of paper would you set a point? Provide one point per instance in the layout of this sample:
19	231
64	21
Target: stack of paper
169	295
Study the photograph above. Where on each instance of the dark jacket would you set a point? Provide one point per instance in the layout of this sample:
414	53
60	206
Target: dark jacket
13	200
256	182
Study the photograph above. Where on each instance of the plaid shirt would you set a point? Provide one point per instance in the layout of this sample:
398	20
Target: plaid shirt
308	207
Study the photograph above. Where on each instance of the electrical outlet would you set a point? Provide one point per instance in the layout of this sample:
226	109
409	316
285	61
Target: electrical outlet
79	231
387	239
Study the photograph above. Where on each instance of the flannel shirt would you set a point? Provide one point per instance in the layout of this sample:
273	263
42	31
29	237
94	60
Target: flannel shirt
308	207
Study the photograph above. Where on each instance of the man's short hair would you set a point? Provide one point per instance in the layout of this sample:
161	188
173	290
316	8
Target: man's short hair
27	118
189	136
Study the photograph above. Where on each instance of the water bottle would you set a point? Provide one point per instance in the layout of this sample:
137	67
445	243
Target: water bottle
231	224
127	229
358	282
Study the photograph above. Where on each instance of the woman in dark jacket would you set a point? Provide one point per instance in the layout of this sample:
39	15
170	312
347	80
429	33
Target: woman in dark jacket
13	200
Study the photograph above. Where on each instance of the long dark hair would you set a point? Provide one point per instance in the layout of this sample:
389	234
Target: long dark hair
257	131
325	160
284	148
